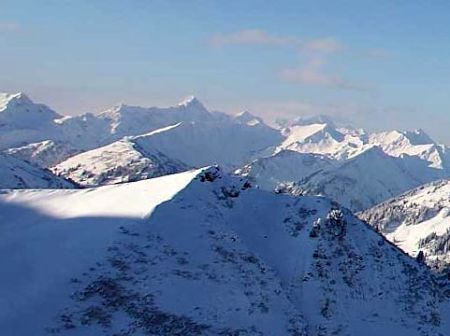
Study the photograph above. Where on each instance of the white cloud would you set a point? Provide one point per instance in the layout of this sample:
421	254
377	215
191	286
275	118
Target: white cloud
261	37
252	37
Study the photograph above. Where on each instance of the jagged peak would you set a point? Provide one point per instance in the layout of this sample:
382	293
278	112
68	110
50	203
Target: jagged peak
6	99
190	101
418	137
373	151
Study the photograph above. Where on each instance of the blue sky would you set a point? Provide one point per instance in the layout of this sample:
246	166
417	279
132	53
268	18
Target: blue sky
379	64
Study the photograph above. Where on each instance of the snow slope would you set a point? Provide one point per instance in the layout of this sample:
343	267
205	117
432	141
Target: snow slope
168	150
121	161
284	167
50	236
217	258
44	154
413	143
323	139
18	174
369	178
198	144
417	221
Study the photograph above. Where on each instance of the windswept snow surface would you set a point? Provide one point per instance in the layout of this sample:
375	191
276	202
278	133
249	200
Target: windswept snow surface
217	258
51	236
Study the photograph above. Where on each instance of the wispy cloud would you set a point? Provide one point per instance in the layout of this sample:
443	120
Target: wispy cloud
313	73
9	27
261	37
315	52
252	37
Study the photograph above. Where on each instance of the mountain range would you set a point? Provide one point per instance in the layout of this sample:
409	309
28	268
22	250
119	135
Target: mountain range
185	221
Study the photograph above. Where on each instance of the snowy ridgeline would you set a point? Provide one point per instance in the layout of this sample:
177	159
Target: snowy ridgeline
204	253
127	143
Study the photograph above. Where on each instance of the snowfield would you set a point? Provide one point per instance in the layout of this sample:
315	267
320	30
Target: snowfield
52	236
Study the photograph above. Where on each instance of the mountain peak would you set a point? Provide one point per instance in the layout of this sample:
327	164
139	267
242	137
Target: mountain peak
6	99
190	101
246	117
418	137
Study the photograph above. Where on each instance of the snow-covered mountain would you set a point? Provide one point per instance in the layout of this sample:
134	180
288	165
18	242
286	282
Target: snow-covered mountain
413	143
125	120
18	174
351	166
22	121
345	143
417	221
324	139
44	154
202	253
369	178
122	161
36	133
168	150
197	144
247	118
284	167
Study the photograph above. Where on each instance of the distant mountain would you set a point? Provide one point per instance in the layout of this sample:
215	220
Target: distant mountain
284	167
323	139
369	178
124	120
169	150
225	139
19	174
123	144
202	253
413	143
361	169
23	122
44	154
122	161
417	221
248	119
